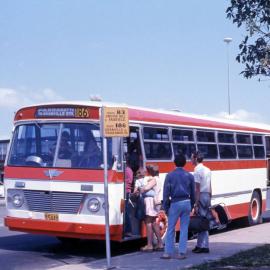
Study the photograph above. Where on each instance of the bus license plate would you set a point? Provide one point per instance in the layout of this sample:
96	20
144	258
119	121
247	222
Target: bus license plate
51	217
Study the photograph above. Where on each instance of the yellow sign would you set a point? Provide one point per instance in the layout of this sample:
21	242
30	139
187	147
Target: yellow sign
51	216
115	122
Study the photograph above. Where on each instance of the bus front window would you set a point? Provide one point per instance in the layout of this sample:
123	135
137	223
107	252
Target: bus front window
32	145
81	147
67	145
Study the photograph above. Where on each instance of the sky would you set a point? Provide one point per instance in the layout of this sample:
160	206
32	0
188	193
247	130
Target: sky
152	53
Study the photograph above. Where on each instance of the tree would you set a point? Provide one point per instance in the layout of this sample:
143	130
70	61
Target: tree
254	15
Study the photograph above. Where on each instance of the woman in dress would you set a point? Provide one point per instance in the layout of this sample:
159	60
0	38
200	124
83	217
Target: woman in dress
150	191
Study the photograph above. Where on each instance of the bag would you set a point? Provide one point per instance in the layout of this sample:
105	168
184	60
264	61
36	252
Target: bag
140	208
157	198
198	224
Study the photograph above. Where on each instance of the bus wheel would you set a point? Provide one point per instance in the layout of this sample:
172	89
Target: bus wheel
255	207
162	221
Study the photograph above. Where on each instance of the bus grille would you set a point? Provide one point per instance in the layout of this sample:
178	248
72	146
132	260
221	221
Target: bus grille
56	202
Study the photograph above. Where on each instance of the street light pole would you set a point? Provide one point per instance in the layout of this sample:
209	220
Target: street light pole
228	40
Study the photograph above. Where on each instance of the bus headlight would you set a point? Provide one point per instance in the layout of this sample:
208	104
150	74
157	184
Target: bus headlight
93	205
17	200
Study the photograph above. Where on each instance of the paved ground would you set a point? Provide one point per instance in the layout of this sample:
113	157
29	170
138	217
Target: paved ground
221	245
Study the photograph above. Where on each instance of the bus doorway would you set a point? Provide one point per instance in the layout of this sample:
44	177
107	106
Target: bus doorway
134	164
134	152
267	146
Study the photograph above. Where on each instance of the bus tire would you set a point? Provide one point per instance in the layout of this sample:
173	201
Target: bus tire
255	209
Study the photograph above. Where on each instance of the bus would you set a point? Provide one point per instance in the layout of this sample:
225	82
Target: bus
52	193
3	152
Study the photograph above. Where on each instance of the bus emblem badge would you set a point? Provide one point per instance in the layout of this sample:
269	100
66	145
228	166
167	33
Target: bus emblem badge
52	173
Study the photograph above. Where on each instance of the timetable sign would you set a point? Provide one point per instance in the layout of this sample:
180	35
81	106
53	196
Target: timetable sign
115	122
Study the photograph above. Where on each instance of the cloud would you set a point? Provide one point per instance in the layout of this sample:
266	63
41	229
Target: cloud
241	115
13	99
9	98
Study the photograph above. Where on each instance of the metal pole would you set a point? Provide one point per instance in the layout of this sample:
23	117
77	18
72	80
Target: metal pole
228	40
228	62
107	220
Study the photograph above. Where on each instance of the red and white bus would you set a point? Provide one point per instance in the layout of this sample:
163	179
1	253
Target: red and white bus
60	195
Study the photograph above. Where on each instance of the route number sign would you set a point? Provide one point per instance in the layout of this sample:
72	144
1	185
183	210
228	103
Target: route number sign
115	122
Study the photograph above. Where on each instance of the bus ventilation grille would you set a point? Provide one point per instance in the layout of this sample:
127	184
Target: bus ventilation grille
56	202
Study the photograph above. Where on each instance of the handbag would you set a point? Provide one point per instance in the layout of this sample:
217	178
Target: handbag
198	224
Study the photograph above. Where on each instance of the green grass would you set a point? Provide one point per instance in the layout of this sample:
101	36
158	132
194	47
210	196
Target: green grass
250	259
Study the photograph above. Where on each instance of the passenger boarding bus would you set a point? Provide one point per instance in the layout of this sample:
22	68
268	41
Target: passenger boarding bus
58	189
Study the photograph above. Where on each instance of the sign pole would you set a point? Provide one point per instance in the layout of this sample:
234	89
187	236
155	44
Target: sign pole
114	124
107	220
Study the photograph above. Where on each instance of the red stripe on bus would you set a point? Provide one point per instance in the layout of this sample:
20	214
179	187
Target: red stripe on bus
64	229
165	167
113	176
241	210
65	174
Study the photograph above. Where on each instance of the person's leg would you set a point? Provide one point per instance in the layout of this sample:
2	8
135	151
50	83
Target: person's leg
156	230
127	217
184	222
200	239
203	240
149	232
173	216
204	210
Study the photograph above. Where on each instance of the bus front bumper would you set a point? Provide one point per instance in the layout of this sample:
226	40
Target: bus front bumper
63	229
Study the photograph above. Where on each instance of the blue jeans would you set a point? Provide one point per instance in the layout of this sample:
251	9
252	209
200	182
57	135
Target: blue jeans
180	209
128	228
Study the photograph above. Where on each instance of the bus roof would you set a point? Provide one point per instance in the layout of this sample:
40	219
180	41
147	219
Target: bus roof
150	116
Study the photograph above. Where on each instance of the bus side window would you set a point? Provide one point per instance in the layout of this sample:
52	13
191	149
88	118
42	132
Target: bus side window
267	145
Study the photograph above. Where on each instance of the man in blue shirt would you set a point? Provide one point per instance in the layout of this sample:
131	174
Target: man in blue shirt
178	201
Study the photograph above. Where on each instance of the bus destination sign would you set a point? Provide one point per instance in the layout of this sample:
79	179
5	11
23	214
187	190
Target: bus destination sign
115	122
64	112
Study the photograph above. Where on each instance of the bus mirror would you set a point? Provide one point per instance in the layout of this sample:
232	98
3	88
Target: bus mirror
116	163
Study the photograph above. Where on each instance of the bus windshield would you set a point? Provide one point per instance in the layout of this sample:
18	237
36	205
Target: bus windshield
66	145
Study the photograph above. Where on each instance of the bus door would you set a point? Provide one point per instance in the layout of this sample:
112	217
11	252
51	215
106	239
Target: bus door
267	146
133	158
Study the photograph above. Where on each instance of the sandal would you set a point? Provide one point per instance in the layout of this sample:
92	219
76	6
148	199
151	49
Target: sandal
165	256
180	256
147	249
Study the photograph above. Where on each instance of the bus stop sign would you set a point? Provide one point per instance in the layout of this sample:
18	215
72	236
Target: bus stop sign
115	122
